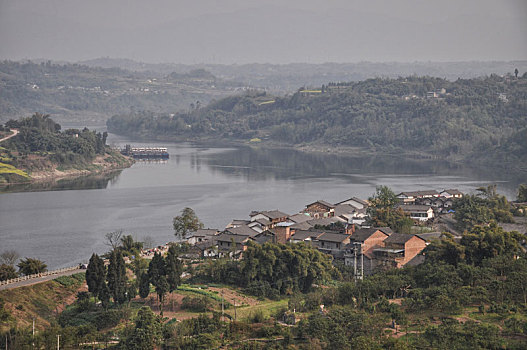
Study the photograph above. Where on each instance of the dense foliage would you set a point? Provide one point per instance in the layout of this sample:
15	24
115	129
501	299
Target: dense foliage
480	271
30	266
482	117
41	146
485	206
186	223
270	270
39	133
382	211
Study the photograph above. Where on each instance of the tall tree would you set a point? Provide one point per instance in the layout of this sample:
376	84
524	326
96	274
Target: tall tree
96	275
116	277
174	268
157	274
186	222
162	289
144	285
156	268
113	239
383	197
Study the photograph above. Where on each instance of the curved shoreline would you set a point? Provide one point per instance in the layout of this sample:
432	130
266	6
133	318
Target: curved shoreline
49	176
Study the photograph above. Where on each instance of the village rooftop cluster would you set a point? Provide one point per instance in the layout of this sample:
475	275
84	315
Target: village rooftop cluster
337	229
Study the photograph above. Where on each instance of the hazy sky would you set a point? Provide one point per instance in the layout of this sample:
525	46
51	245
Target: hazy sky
244	31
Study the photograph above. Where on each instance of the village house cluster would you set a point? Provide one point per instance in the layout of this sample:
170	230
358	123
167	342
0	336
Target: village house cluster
337	229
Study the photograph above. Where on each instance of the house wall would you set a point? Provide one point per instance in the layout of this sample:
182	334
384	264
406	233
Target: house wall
369	264
375	239
222	245
319	209
193	240
330	245
419	215
282	234
412	247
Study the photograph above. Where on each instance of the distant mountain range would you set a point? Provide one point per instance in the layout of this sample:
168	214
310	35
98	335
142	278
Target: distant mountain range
280	78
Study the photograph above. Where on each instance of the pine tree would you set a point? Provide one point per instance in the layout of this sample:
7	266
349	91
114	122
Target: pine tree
162	288
157	276
96	276
156	268
117	277
144	285
174	268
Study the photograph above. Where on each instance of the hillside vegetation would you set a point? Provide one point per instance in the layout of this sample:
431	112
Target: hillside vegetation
81	94
40	148
480	119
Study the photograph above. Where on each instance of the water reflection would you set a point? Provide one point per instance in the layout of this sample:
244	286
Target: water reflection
100	181
260	164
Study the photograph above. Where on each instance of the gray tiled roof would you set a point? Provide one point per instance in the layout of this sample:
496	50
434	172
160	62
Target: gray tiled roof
226	237
243	230
302	235
420	193
400	238
414	208
271	214
363	234
324	203
333	237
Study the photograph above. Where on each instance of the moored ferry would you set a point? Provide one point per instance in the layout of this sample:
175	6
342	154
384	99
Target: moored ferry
146	152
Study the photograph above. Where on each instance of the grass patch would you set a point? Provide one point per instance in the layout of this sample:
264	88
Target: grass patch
264	309
9	171
73	280
210	294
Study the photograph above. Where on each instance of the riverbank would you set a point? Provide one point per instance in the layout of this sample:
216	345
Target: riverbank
40	170
100	165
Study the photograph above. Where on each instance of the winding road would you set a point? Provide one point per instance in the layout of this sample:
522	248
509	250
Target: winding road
15	132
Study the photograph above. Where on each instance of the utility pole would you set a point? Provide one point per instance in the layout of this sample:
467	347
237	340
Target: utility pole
58	341
361	264
222	309
234	309
355	262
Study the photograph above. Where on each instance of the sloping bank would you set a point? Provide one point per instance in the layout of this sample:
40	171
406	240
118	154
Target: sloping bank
40	152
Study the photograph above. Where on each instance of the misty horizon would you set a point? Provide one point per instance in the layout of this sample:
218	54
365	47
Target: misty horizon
236	32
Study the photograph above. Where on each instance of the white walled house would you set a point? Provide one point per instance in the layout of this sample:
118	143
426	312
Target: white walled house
418	212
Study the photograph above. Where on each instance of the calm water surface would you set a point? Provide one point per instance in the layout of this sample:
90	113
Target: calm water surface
64	223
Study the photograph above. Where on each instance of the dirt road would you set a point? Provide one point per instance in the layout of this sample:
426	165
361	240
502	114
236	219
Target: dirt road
15	132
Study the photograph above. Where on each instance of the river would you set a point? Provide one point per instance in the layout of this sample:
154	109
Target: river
65	223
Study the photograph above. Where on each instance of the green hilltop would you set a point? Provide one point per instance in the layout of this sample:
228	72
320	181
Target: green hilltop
482	120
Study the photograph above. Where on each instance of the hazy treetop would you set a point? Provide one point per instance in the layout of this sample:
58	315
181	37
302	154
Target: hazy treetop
274	31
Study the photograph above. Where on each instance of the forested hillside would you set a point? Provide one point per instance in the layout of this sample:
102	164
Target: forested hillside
73	92
40	146
464	119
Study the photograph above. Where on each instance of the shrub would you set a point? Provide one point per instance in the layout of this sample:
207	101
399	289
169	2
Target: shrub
196	304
